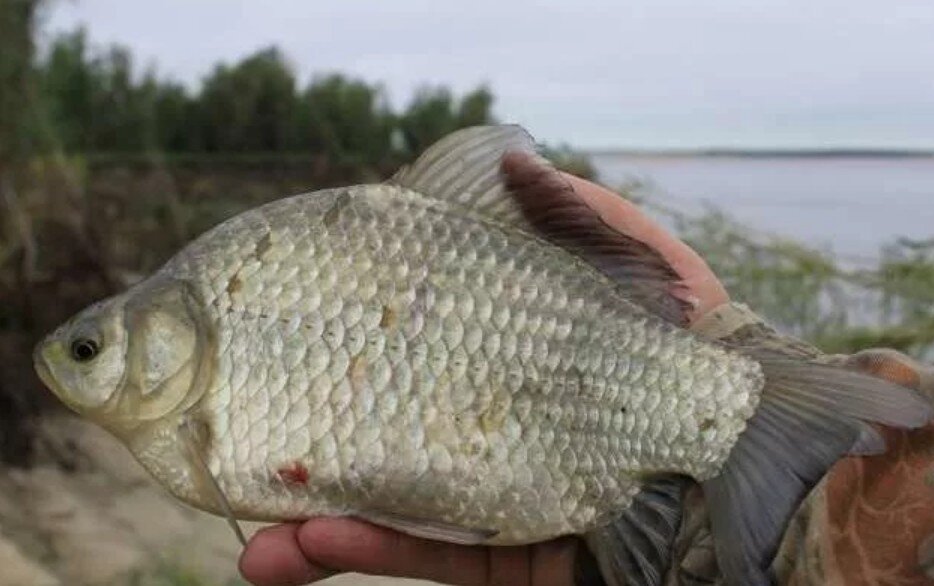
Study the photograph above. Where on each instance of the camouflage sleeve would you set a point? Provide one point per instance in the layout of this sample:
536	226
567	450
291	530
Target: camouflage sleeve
737	325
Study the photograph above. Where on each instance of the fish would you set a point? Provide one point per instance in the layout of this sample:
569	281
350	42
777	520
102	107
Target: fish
464	355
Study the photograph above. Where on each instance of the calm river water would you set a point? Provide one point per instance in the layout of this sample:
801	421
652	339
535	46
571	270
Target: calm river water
850	205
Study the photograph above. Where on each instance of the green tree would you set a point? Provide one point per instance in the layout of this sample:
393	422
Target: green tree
122	110
97	102
434	112
249	106
476	108
346	120
94	101
175	114
68	89
18	115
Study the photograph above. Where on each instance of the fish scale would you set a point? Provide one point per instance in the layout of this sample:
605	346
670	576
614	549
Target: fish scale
494	337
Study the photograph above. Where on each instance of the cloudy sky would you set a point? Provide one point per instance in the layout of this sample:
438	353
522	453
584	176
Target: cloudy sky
629	73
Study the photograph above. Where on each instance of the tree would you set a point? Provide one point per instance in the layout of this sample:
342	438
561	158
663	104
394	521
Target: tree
175	114
122	111
94	100
68	88
97	102
18	116
250	106
476	108
434	112
346	120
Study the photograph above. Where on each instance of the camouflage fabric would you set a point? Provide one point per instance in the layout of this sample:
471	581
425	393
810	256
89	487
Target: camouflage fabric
869	522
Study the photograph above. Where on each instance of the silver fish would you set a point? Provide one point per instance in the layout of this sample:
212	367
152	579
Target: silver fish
461	359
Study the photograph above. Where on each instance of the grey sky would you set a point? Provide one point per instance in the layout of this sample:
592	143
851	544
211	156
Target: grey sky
630	73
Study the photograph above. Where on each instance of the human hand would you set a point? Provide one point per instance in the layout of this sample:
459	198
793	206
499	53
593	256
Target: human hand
699	285
293	553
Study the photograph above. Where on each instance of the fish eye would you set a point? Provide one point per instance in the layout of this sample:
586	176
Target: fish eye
84	349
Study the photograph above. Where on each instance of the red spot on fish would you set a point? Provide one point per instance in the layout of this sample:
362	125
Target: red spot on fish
294	473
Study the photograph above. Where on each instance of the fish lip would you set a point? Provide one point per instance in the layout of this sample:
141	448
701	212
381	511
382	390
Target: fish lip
42	367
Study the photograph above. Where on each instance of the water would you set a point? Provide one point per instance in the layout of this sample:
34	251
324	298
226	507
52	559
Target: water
849	205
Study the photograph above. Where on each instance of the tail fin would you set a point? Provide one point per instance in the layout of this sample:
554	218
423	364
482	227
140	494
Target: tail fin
809	416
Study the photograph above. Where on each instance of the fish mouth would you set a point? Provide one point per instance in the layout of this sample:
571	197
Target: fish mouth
42	368
41	364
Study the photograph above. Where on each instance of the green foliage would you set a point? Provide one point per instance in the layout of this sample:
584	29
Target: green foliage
68	87
434	112
916	339
249	106
345	120
18	123
906	280
812	294
93	100
784	278
570	161
97	102
173	111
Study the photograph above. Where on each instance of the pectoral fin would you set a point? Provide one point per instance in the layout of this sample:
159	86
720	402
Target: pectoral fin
555	211
191	438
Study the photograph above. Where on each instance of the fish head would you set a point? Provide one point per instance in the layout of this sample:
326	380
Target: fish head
131	359
84	360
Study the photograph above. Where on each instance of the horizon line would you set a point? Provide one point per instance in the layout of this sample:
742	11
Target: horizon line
856	151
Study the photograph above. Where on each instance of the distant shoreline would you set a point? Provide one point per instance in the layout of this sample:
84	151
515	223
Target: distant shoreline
764	153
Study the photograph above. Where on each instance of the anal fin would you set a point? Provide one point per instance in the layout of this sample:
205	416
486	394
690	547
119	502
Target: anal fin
635	549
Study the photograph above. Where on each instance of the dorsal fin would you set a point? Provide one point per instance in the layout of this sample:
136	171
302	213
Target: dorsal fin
550	204
471	168
464	168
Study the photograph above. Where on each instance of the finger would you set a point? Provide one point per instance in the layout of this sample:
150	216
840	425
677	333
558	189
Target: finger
552	562
355	546
706	290
895	367
273	558
888	364
509	565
